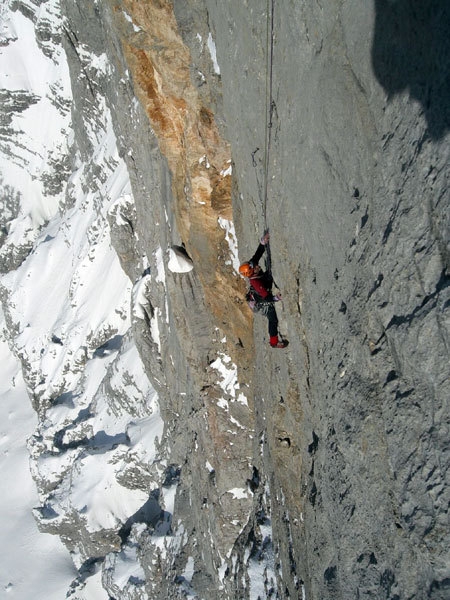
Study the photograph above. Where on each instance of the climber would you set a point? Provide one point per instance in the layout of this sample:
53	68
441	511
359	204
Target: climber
260	294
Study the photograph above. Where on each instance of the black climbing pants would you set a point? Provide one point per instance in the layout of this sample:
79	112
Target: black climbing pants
268	309
273	320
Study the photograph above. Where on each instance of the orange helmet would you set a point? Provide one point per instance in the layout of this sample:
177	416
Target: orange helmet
246	270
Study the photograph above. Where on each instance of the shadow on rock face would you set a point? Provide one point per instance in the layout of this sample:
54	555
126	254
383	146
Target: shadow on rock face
411	49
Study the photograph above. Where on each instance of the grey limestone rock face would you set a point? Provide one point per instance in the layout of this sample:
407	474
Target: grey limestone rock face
358	212
317	471
350	422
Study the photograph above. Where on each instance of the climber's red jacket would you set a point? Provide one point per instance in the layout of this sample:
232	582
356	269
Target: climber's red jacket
261	283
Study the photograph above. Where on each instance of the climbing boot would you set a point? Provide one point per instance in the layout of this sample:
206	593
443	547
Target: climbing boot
277	343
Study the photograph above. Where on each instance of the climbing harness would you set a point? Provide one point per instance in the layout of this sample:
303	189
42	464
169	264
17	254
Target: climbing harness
256	303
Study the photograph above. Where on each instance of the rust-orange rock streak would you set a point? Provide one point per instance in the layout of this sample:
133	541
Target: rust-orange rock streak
197	156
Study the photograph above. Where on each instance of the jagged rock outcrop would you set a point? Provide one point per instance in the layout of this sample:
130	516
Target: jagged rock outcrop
319	471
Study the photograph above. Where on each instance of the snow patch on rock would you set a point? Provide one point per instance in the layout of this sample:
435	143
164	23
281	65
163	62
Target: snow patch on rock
179	262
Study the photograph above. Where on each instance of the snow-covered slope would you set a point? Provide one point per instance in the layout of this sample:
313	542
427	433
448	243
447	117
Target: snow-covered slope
33	565
68	313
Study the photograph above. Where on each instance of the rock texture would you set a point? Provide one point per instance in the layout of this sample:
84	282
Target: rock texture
319	471
358	210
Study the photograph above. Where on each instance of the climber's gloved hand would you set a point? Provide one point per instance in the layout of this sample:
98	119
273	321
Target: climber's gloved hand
277	298
265	238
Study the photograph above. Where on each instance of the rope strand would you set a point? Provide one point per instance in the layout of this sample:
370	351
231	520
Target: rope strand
269	101
269	108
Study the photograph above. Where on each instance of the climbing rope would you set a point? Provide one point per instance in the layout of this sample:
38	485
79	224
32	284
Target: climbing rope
269	102
263	186
269	108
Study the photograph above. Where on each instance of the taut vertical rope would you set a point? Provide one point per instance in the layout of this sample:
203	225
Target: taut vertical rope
269	115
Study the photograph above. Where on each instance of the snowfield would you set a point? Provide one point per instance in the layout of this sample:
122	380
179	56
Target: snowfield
68	310
33	565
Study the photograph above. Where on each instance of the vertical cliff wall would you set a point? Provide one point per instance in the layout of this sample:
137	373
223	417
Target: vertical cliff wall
355	413
318	471
352	416
192	327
